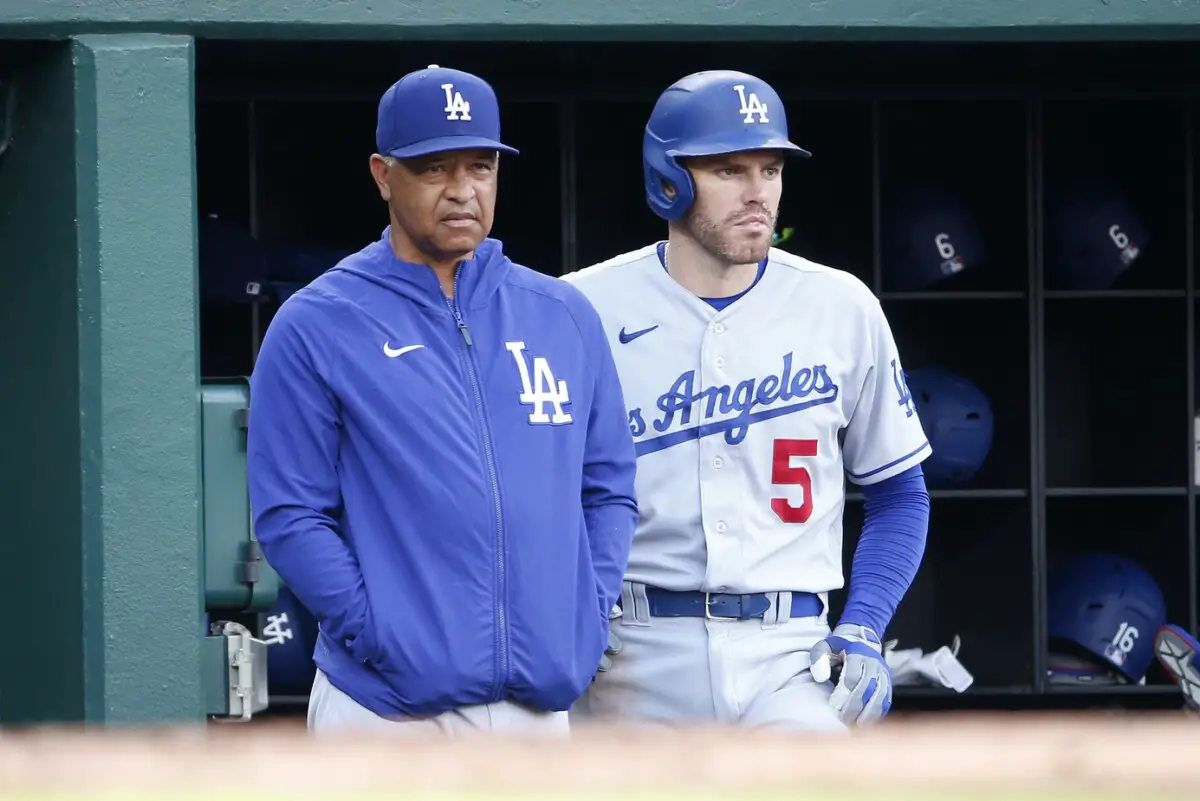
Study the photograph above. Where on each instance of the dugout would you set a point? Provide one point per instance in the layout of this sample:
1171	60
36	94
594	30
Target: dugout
1090	384
989	114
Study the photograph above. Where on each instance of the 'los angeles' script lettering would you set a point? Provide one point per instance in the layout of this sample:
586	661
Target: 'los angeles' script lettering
683	405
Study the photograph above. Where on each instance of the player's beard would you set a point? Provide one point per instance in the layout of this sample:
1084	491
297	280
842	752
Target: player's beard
719	238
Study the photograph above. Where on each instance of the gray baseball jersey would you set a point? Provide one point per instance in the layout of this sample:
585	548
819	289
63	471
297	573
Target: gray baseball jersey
748	421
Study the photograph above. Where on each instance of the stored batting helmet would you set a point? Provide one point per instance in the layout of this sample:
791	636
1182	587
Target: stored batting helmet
232	264
957	419
929	235
1093	234
1110	607
706	114
290	632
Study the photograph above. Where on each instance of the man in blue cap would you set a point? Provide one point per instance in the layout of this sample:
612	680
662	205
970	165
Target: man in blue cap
440	465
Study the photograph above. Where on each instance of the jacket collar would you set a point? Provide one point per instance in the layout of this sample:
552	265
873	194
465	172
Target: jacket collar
478	278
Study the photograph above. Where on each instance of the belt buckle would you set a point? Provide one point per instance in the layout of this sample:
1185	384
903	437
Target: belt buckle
708	615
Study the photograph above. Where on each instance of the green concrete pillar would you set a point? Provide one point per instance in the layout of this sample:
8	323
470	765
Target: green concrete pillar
100	569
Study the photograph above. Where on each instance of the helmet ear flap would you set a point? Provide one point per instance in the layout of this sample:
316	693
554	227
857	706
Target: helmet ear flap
669	188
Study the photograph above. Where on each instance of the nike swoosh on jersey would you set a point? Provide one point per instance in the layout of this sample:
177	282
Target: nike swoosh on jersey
627	338
392	353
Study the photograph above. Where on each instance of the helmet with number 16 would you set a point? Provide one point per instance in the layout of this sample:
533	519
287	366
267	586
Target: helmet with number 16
1108	608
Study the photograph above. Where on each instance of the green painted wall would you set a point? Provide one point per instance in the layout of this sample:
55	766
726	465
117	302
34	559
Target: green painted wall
99	559
40	482
614	19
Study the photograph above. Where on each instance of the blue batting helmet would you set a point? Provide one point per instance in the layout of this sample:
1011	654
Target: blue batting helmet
929	235
290	632
1110	607
232	264
1093	234
705	114
957	419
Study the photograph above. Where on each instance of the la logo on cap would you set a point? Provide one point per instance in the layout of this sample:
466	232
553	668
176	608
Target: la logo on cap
456	107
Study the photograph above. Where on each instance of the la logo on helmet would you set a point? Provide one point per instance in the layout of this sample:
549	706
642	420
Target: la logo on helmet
750	105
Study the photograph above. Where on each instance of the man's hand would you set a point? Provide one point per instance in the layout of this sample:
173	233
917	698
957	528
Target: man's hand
614	644
614	648
863	693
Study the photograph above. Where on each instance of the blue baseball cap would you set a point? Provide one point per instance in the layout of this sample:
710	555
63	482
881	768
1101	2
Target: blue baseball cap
435	110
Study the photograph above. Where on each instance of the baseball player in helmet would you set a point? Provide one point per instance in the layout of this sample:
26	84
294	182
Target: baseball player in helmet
756	382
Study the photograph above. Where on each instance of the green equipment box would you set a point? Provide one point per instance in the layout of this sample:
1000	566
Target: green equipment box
236	577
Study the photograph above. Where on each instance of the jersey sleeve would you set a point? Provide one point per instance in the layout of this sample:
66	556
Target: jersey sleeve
884	436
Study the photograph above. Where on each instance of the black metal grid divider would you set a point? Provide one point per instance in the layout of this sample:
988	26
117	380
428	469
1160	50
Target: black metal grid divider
1037	397
876	198
567	118
1193	619
256	329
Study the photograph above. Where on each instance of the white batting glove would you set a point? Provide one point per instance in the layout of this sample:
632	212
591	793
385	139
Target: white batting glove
863	693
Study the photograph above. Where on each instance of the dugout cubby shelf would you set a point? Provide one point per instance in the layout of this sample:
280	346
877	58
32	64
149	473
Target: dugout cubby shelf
827	211
320	195
985	342
532	197
951	219
1116	168
607	139
1152	531
974	549
975	545
1097	377
1092	383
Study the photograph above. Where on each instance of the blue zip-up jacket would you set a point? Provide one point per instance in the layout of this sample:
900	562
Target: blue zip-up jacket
459	537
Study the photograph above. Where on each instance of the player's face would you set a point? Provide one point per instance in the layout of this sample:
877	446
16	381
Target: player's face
737	200
444	203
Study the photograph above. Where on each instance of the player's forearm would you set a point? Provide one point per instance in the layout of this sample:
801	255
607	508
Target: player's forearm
889	550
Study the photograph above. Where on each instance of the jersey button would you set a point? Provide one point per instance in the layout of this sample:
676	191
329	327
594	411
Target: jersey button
718	462
721	526
719	362
719	328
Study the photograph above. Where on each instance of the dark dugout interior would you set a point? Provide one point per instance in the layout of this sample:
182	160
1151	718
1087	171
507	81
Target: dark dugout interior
1086	365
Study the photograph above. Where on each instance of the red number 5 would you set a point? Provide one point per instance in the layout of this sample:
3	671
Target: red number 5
782	472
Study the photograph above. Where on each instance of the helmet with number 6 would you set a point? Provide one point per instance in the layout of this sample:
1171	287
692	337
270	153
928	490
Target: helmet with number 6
1093	234
929	236
707	114
1109	607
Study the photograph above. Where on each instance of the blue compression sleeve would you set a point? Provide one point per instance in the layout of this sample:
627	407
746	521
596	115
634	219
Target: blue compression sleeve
889	550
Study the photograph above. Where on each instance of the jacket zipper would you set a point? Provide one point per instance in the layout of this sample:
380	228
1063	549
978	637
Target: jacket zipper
502	656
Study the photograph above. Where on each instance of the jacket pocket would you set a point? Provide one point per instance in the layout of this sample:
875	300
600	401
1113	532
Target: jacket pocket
365	646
